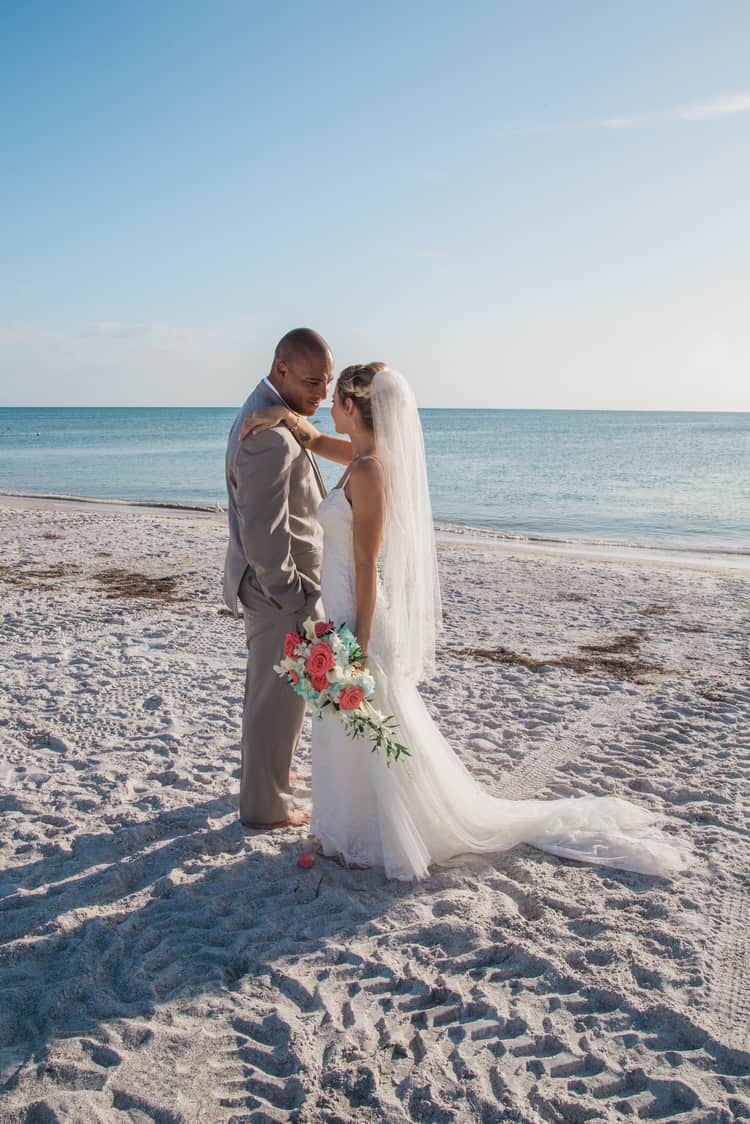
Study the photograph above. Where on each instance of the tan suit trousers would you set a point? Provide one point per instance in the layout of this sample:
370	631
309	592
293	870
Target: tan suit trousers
272	715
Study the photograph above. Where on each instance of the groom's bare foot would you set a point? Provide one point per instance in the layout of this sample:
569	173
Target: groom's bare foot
297	818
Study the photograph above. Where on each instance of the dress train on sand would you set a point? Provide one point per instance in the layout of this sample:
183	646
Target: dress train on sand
428	809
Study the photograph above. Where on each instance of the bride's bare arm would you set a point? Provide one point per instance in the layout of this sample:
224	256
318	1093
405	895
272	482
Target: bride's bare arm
367	493
332	448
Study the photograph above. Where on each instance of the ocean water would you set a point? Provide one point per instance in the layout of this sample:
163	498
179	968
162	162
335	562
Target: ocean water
653	479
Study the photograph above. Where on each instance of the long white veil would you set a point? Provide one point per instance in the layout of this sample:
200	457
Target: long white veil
409	559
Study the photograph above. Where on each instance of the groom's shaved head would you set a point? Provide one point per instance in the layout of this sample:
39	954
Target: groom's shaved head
301	343
302	369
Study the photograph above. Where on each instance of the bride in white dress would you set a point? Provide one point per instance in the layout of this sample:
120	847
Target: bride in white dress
379	576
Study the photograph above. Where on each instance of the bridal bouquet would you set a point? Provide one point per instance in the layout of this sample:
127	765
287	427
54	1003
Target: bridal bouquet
323	665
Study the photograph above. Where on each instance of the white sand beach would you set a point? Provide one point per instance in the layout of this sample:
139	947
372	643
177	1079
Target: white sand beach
161	964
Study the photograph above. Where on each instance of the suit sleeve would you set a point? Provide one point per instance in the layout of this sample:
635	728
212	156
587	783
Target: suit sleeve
264	465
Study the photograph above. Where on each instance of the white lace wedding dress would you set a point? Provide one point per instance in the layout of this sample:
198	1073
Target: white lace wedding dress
427	809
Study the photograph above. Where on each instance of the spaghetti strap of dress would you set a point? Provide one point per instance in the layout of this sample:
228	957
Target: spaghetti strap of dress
347	474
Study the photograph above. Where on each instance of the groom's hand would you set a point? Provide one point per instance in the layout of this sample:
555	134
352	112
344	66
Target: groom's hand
314	607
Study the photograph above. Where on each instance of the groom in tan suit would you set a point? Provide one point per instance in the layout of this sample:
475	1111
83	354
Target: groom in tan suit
273	568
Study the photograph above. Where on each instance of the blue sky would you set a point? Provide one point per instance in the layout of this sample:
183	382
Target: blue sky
519	204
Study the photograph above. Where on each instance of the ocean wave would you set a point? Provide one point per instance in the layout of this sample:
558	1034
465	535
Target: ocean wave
107	501
465	530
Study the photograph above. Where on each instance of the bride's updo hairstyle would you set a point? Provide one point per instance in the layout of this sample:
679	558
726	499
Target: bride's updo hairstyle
356	383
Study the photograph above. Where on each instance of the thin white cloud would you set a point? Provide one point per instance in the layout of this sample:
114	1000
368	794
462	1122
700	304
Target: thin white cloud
716	107
721	106
707	110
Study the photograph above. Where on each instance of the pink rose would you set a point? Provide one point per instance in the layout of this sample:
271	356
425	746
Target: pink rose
320	660
351	697
292	642
320	682
322	628
293	676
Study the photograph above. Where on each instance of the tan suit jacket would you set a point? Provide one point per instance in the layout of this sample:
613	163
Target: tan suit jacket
274	487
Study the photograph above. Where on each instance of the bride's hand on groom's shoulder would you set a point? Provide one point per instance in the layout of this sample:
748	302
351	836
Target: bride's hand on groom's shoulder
259	420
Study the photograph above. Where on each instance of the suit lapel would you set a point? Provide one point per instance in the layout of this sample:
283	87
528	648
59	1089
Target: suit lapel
316	470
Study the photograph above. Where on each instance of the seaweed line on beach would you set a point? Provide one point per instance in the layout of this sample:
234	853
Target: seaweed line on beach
118	583
17	575
617	657
127	584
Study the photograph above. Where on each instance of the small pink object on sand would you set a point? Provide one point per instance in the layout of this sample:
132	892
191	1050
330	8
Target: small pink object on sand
306	860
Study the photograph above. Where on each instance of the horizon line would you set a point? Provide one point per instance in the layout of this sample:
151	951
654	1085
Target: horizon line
464	409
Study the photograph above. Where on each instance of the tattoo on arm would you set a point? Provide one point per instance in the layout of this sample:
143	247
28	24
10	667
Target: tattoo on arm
299	434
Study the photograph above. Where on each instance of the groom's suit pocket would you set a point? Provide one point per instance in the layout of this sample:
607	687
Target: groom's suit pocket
252	595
